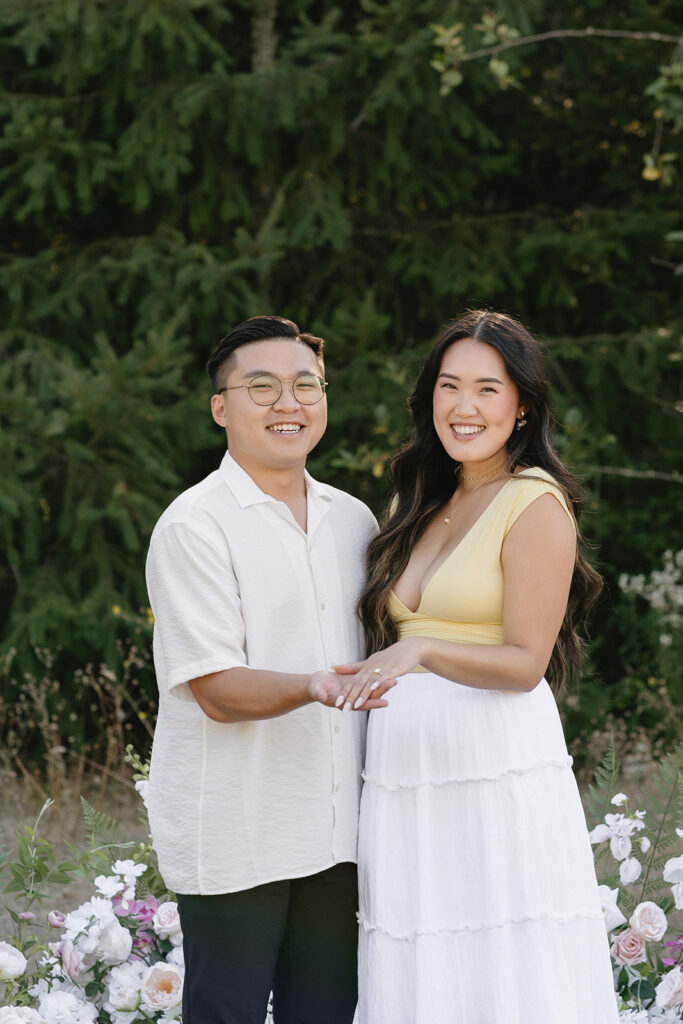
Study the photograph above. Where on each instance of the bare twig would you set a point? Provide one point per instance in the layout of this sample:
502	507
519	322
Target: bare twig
634	474
565	33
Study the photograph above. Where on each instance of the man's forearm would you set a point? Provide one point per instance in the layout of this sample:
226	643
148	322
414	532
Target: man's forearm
244	694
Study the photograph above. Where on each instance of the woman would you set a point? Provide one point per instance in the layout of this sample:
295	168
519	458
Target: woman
479	902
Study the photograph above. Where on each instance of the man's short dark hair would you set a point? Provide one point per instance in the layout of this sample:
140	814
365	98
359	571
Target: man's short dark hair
258	328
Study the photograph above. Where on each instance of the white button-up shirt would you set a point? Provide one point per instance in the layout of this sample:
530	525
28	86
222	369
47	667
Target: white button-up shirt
233	580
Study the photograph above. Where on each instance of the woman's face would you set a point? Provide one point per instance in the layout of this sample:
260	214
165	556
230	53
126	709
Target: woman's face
475	402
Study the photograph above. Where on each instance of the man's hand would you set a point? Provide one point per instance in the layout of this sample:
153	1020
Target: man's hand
327	687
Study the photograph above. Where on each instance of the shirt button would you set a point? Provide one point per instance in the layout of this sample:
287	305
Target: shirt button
323	606
337	728
336	788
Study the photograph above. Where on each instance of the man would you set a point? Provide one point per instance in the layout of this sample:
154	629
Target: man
253	576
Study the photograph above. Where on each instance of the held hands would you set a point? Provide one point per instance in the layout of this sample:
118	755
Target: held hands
328	688
378	673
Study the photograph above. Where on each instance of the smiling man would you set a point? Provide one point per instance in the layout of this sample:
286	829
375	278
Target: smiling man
253	576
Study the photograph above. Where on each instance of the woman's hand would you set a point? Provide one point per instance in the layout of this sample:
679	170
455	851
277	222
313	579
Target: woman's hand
327	688
372	674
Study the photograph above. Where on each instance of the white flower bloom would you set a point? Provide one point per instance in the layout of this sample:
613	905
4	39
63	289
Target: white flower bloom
619	799
679	833
65	1008
129	870
620	847
176	956
142	785
12	962
629	870
665	639
645	844
633	1017
608	900
108	885
677	893
599	834
114	944
670	989
673	870
20	1015
123	993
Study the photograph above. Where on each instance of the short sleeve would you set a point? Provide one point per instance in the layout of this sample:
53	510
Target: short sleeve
195	600
525	491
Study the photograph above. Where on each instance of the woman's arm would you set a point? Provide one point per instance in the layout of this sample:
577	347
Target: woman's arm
538	558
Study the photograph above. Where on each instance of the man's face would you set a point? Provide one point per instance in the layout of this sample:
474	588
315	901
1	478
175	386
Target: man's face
279	436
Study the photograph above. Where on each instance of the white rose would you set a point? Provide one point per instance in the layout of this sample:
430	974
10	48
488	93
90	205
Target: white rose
629	870
124	987
166	922
649	921
608	900
20	1015
115	943
620	847
12	962
670	989
162	987
599	834
673	870
65	1008
619	799
176	956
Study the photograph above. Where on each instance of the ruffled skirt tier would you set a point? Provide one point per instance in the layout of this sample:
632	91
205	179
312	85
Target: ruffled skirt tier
478	897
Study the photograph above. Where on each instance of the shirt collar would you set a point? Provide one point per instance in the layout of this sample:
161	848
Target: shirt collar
247	491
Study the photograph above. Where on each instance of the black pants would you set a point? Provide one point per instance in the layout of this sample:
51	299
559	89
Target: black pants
297	937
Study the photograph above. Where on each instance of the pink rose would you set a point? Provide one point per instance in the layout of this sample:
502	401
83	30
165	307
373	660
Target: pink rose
628	948
70	957
162	987
670	990
649	921
166	923
56	918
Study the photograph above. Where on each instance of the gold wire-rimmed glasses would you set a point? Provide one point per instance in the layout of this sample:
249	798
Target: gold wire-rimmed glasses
307	388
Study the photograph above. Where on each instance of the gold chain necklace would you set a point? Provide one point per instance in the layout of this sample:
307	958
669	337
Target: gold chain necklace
464	478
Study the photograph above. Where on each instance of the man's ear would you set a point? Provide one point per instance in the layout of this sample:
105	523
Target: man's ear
218	410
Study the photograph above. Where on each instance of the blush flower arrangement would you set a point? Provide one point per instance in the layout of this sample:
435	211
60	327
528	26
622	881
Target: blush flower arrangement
117	958
638	862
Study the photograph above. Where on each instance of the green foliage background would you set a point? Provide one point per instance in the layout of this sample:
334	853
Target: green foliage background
170	167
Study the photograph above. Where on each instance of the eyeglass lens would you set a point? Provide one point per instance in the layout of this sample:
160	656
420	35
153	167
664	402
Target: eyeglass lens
307	389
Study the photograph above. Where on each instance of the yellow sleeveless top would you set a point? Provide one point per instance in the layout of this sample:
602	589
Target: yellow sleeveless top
463	600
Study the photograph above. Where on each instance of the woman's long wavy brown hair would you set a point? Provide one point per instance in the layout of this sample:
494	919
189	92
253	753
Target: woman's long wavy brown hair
422	475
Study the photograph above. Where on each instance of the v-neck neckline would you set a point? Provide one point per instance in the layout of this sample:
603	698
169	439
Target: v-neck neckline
454	549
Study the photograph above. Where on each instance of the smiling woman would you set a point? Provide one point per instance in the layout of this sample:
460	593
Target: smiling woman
472	845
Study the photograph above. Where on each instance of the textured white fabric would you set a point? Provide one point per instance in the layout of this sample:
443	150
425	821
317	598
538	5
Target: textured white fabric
234	581
478	897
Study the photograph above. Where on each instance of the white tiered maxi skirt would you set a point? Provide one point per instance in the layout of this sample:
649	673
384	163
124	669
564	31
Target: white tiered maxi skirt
478	897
